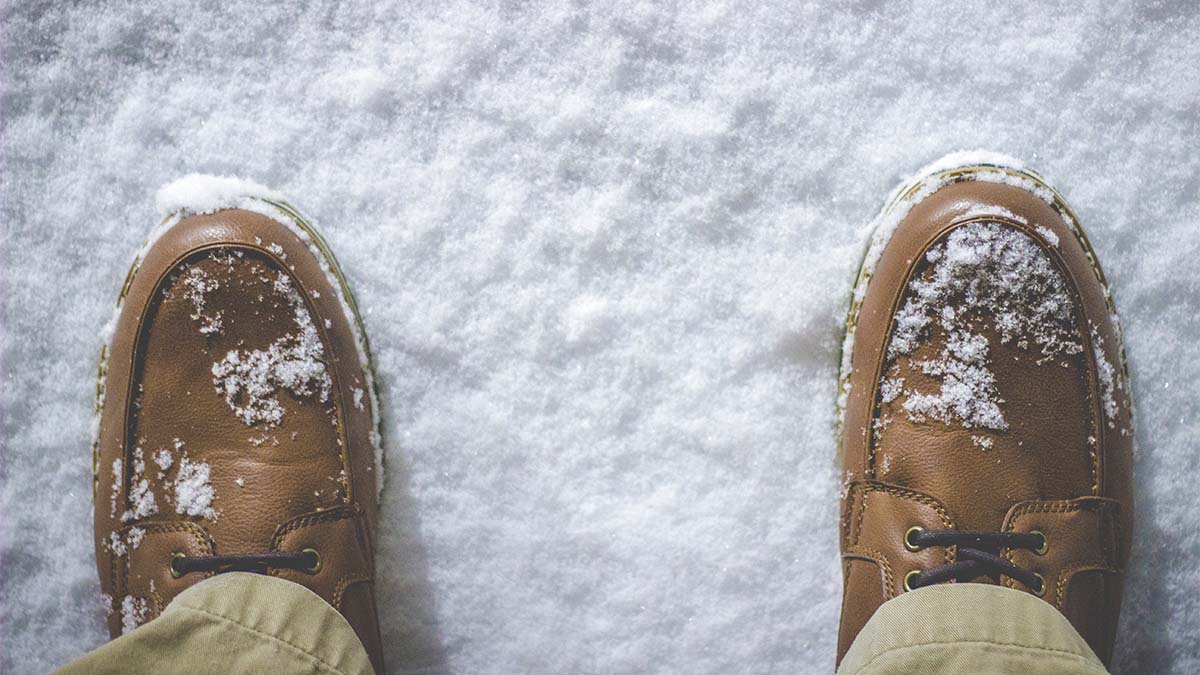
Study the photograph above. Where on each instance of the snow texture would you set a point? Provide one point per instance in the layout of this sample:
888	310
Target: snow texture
250	381
604	254
163	459
201	193
1111	381
141	496
196	284
133	613
193	490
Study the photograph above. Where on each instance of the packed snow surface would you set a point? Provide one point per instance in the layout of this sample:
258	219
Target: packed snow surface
603	254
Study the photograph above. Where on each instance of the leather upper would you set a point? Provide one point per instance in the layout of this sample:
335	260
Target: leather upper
992	403
236	418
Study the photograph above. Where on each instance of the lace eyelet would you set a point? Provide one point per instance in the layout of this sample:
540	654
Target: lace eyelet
1041	589
909	579
908	544
315	567
175	573
1041	550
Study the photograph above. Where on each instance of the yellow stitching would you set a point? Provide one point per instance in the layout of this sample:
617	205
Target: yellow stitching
881	560
344	583
912	495
200	538
851	498
951	553
1070	570
1101	506
862	513
1095	504
332	515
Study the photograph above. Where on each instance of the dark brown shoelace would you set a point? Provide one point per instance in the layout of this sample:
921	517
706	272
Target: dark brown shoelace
978	555
307	561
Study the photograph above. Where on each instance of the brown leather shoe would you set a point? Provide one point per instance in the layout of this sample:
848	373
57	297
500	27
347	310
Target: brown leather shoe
985	415
237	414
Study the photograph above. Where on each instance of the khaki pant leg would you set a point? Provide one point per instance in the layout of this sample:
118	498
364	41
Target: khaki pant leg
968	628
236	623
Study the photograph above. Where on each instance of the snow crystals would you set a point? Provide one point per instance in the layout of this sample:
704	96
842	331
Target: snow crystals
983	270
106	604
116	544
1048	234
196	193
193	490
141	497
251	380
120	546
190	490
196	284
163	459
134	612
117	479
1111	380
968	390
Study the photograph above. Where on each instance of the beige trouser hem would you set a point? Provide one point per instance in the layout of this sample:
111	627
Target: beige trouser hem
236	623
968	628
251	623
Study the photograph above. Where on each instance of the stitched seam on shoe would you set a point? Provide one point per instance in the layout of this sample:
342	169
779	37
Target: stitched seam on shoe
344	583
199	535
879	559
880	368
853	495
340	406
995	643
332	515
1065	506
1097	421
910	495
276	638
847	510
1103	507
1069	571
862	513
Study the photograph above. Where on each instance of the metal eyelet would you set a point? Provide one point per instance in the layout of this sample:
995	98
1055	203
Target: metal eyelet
908	544
1041	589
1041	550
908	579
316	567
175	574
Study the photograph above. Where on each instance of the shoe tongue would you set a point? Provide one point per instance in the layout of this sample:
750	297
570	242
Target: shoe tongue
985	399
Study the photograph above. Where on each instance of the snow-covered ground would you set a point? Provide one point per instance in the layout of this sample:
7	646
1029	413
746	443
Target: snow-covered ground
604	254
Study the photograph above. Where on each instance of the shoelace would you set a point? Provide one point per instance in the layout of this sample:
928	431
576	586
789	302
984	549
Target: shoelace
978	555
307	560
